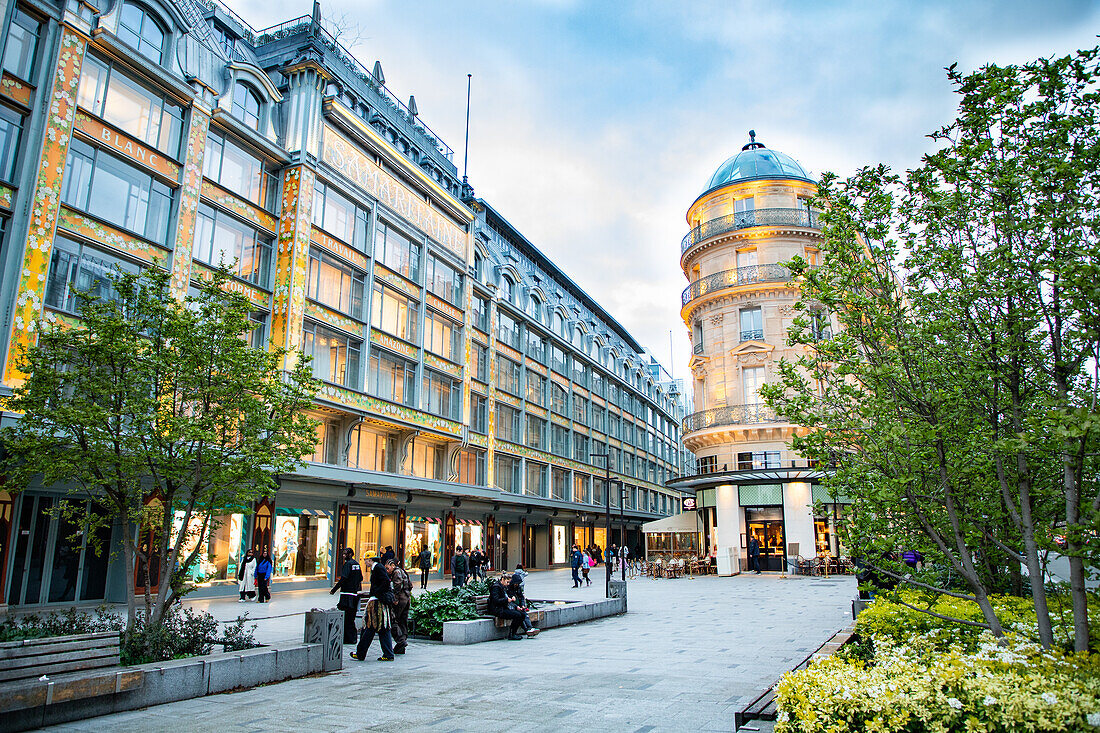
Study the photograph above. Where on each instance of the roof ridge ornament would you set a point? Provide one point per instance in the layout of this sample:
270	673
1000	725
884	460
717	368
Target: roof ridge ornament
752	144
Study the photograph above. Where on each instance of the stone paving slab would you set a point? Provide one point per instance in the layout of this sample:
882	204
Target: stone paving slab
687	655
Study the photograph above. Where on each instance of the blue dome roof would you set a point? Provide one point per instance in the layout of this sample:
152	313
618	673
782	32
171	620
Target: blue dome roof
755	161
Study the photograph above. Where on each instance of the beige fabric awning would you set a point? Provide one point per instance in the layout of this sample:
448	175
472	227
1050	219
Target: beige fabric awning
682	522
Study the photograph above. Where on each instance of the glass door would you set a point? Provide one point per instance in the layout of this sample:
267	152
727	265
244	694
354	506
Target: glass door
773	553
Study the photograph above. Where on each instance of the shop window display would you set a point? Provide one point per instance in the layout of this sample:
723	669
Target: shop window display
364	535
559	537
421	532
221	551
469	534
302	542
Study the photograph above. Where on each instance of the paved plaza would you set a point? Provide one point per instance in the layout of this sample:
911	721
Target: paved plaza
687	656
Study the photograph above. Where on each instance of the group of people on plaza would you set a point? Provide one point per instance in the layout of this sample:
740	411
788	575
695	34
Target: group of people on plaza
467	565
386	613
254	576
583	560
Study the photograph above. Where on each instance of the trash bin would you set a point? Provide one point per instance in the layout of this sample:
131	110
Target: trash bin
327	629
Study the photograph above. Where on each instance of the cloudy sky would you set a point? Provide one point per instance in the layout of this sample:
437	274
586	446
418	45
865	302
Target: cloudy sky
594	125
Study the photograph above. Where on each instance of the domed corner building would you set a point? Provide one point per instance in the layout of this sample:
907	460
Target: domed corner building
753	214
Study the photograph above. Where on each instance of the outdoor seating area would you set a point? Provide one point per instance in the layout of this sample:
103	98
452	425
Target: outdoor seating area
677	567
823	566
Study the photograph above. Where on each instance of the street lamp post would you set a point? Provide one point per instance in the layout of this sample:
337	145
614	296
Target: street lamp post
606	455
622	529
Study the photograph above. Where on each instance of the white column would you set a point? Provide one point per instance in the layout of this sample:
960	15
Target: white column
798	515
728	532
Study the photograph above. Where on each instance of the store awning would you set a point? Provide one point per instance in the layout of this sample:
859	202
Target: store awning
682	522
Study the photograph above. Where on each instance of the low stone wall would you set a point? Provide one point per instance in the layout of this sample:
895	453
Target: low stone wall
179	679
485	629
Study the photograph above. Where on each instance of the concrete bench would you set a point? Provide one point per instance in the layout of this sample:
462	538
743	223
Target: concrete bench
481	605
74	668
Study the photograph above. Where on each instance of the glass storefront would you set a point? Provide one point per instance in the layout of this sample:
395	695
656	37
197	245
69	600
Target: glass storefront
364	536
559	551
221	548
302	538
421	532
674	544
469	534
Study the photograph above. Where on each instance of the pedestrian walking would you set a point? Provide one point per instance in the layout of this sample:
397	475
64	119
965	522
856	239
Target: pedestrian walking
262	574
348	584
586	564
424	562
388	554
575	560
402	592
469	566
754	555
246	577
458	568
624	557
378	617
477	563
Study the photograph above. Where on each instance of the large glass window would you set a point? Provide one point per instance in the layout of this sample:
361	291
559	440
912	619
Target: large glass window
391	378
106	91
427	459
443	280
237	170
301	542
536	479
536	346
508	329
506	473
471	467
394	312
559	484
84	268
335	356
137	27
396	251
21	47
536	388
370	450
110	189
559	360
508	375
478	414
480	359
559	399
580	409
507	423
442	395
246	105
560	440
222	239
752	379
442	336
11	130
752	324
536	433
481	314
335	284
581	493
339	216
580	447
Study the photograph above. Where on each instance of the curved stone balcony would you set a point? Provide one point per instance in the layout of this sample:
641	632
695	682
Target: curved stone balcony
736	276
745	219
730	415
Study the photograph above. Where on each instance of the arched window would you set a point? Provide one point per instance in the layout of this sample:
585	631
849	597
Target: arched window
593	349
578	337
509	288
140	29
534	308
479	266
246	105
559	324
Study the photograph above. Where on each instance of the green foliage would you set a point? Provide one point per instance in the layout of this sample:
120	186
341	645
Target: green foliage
183	633
429	610
153	406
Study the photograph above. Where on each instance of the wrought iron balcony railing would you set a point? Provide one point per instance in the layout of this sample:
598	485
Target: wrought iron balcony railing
737	276
753	335
730	415
755	218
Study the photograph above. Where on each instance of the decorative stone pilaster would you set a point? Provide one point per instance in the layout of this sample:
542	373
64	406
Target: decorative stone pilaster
46	201
291	260
189	192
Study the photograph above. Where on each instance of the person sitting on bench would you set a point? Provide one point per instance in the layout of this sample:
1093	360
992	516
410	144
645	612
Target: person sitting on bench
500	607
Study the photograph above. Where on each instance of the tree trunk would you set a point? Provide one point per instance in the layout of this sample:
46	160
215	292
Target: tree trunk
1074	553
128	562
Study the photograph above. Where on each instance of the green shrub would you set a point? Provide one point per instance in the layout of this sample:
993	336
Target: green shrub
429	610
185	633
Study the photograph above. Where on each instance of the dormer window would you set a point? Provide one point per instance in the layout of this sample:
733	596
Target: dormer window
246	105
140	29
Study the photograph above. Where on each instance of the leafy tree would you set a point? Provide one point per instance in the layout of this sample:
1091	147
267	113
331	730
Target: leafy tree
151	406
958	404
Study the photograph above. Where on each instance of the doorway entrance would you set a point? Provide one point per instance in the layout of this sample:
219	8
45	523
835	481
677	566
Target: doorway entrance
56	561
766	525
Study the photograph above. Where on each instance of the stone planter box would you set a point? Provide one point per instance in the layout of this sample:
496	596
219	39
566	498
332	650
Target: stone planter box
485	629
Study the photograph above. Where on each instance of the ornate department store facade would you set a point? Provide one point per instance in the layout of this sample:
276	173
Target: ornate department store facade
467	379
753	215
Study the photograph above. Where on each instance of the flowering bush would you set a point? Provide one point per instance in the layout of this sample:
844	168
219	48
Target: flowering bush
913	672
997	688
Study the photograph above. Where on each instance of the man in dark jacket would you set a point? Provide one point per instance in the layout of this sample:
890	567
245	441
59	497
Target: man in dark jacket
424	562
476	560
402	591
754	555
459	568
349	584
379	615
499	607
575	560
388	555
